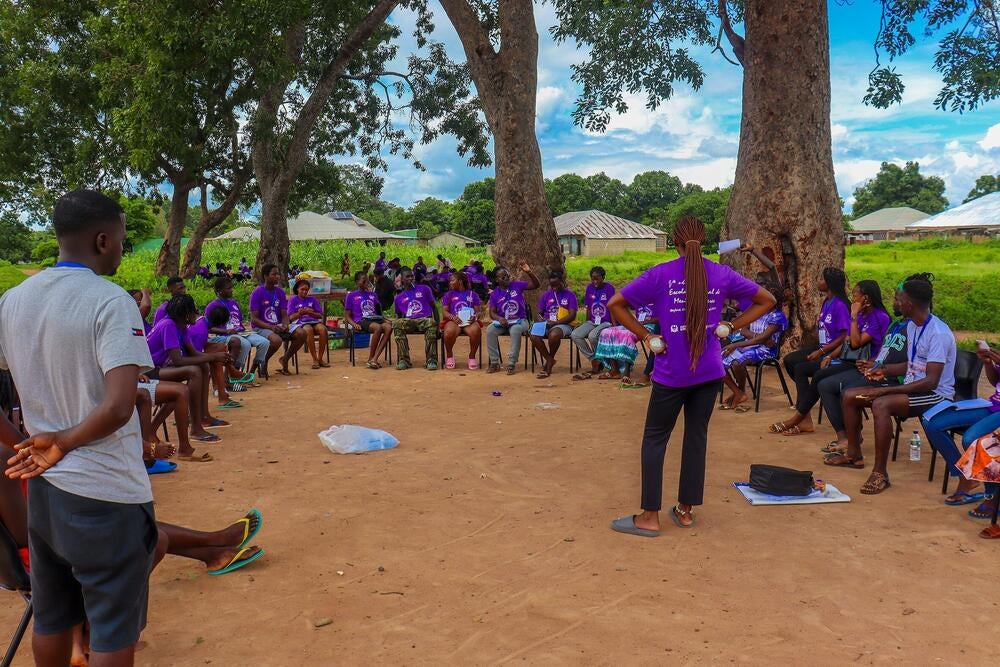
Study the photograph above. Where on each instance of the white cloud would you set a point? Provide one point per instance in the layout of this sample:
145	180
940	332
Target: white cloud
992	138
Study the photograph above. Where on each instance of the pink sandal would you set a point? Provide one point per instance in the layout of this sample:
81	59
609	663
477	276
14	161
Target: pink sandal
473	364
449	363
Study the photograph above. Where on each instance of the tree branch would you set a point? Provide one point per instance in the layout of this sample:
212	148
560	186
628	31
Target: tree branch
479	52
296	153
735	40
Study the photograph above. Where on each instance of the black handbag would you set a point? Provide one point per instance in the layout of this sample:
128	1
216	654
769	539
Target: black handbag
778	481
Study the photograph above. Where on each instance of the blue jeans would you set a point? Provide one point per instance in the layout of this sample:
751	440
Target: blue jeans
977	422
252	340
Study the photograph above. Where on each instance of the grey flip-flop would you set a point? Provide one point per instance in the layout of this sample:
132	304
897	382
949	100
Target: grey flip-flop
626	524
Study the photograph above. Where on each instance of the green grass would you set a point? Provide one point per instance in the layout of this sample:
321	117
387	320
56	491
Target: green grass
10	276
967	276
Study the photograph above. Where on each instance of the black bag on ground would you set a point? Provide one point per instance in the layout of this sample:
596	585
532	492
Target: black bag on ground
778	481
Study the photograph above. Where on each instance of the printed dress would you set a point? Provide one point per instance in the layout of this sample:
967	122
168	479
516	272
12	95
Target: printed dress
758	353
618	345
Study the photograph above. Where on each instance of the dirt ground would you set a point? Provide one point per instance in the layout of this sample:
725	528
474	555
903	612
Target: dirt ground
483	539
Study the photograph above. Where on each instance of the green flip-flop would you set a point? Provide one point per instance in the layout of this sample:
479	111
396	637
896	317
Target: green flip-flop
238	561
247	521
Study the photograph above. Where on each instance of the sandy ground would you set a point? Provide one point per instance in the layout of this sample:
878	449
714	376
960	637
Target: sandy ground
483	538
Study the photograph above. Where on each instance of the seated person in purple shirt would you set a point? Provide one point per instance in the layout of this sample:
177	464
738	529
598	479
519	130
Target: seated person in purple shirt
165	345
381	263
419	270
196	342
833	327
869	322
175	285
416	312
364	313
557	308
598	319
754	344
509	314
306	316
269	317
234	335
460	314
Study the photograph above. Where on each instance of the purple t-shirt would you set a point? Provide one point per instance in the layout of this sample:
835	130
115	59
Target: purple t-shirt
455	300
163	337
550	303
296	303
361	305
415	303
380	264
509	303
644	313
663	286
269	304
596	300
875	324
834	320
161	311
235	314
197	334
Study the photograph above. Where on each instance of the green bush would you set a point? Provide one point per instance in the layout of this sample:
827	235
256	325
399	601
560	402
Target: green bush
47	248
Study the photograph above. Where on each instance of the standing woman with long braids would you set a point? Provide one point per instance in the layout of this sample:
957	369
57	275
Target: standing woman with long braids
688	295
833	328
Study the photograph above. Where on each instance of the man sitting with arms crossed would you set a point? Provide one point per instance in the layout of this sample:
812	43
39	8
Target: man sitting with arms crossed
75	347
930	379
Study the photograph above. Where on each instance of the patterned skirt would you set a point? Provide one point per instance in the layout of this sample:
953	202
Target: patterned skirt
616	345
750	355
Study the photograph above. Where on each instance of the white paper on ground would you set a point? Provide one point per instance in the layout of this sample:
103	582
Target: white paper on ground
832	495
729	246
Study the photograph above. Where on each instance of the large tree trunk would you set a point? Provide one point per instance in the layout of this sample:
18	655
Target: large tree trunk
209	220
170	251
273	229
506	82
784	196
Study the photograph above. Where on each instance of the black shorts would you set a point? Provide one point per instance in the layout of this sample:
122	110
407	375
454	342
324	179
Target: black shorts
90	560
921	403
366	324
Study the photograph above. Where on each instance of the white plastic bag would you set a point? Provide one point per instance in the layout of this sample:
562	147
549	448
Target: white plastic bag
351	439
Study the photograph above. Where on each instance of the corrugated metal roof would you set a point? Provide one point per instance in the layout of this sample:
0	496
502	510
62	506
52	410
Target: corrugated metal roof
239	234
309	226
887	220
981	212
600	225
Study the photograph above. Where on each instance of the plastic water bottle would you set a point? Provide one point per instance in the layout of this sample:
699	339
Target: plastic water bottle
915	447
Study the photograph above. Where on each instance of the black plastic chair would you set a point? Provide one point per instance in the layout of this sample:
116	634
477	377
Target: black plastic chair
352	347
13	577
332	334
968	368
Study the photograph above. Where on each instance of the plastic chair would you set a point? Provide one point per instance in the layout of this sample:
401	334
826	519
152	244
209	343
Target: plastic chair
13	577
332	334
968	368
755	382
351	347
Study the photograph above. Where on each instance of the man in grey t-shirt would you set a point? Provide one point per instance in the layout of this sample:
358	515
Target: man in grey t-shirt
75	345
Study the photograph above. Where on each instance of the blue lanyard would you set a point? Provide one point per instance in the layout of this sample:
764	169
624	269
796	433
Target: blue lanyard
913	349
72	265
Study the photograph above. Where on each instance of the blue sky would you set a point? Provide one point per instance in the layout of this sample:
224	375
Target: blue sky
695	135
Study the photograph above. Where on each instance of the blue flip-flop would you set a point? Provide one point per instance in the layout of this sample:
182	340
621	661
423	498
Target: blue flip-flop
626	524
964	498
250	534
160	466
237	562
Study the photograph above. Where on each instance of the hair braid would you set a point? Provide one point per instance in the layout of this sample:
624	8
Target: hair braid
690	234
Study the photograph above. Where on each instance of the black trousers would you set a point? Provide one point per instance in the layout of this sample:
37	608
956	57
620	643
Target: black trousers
665	405
808	396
